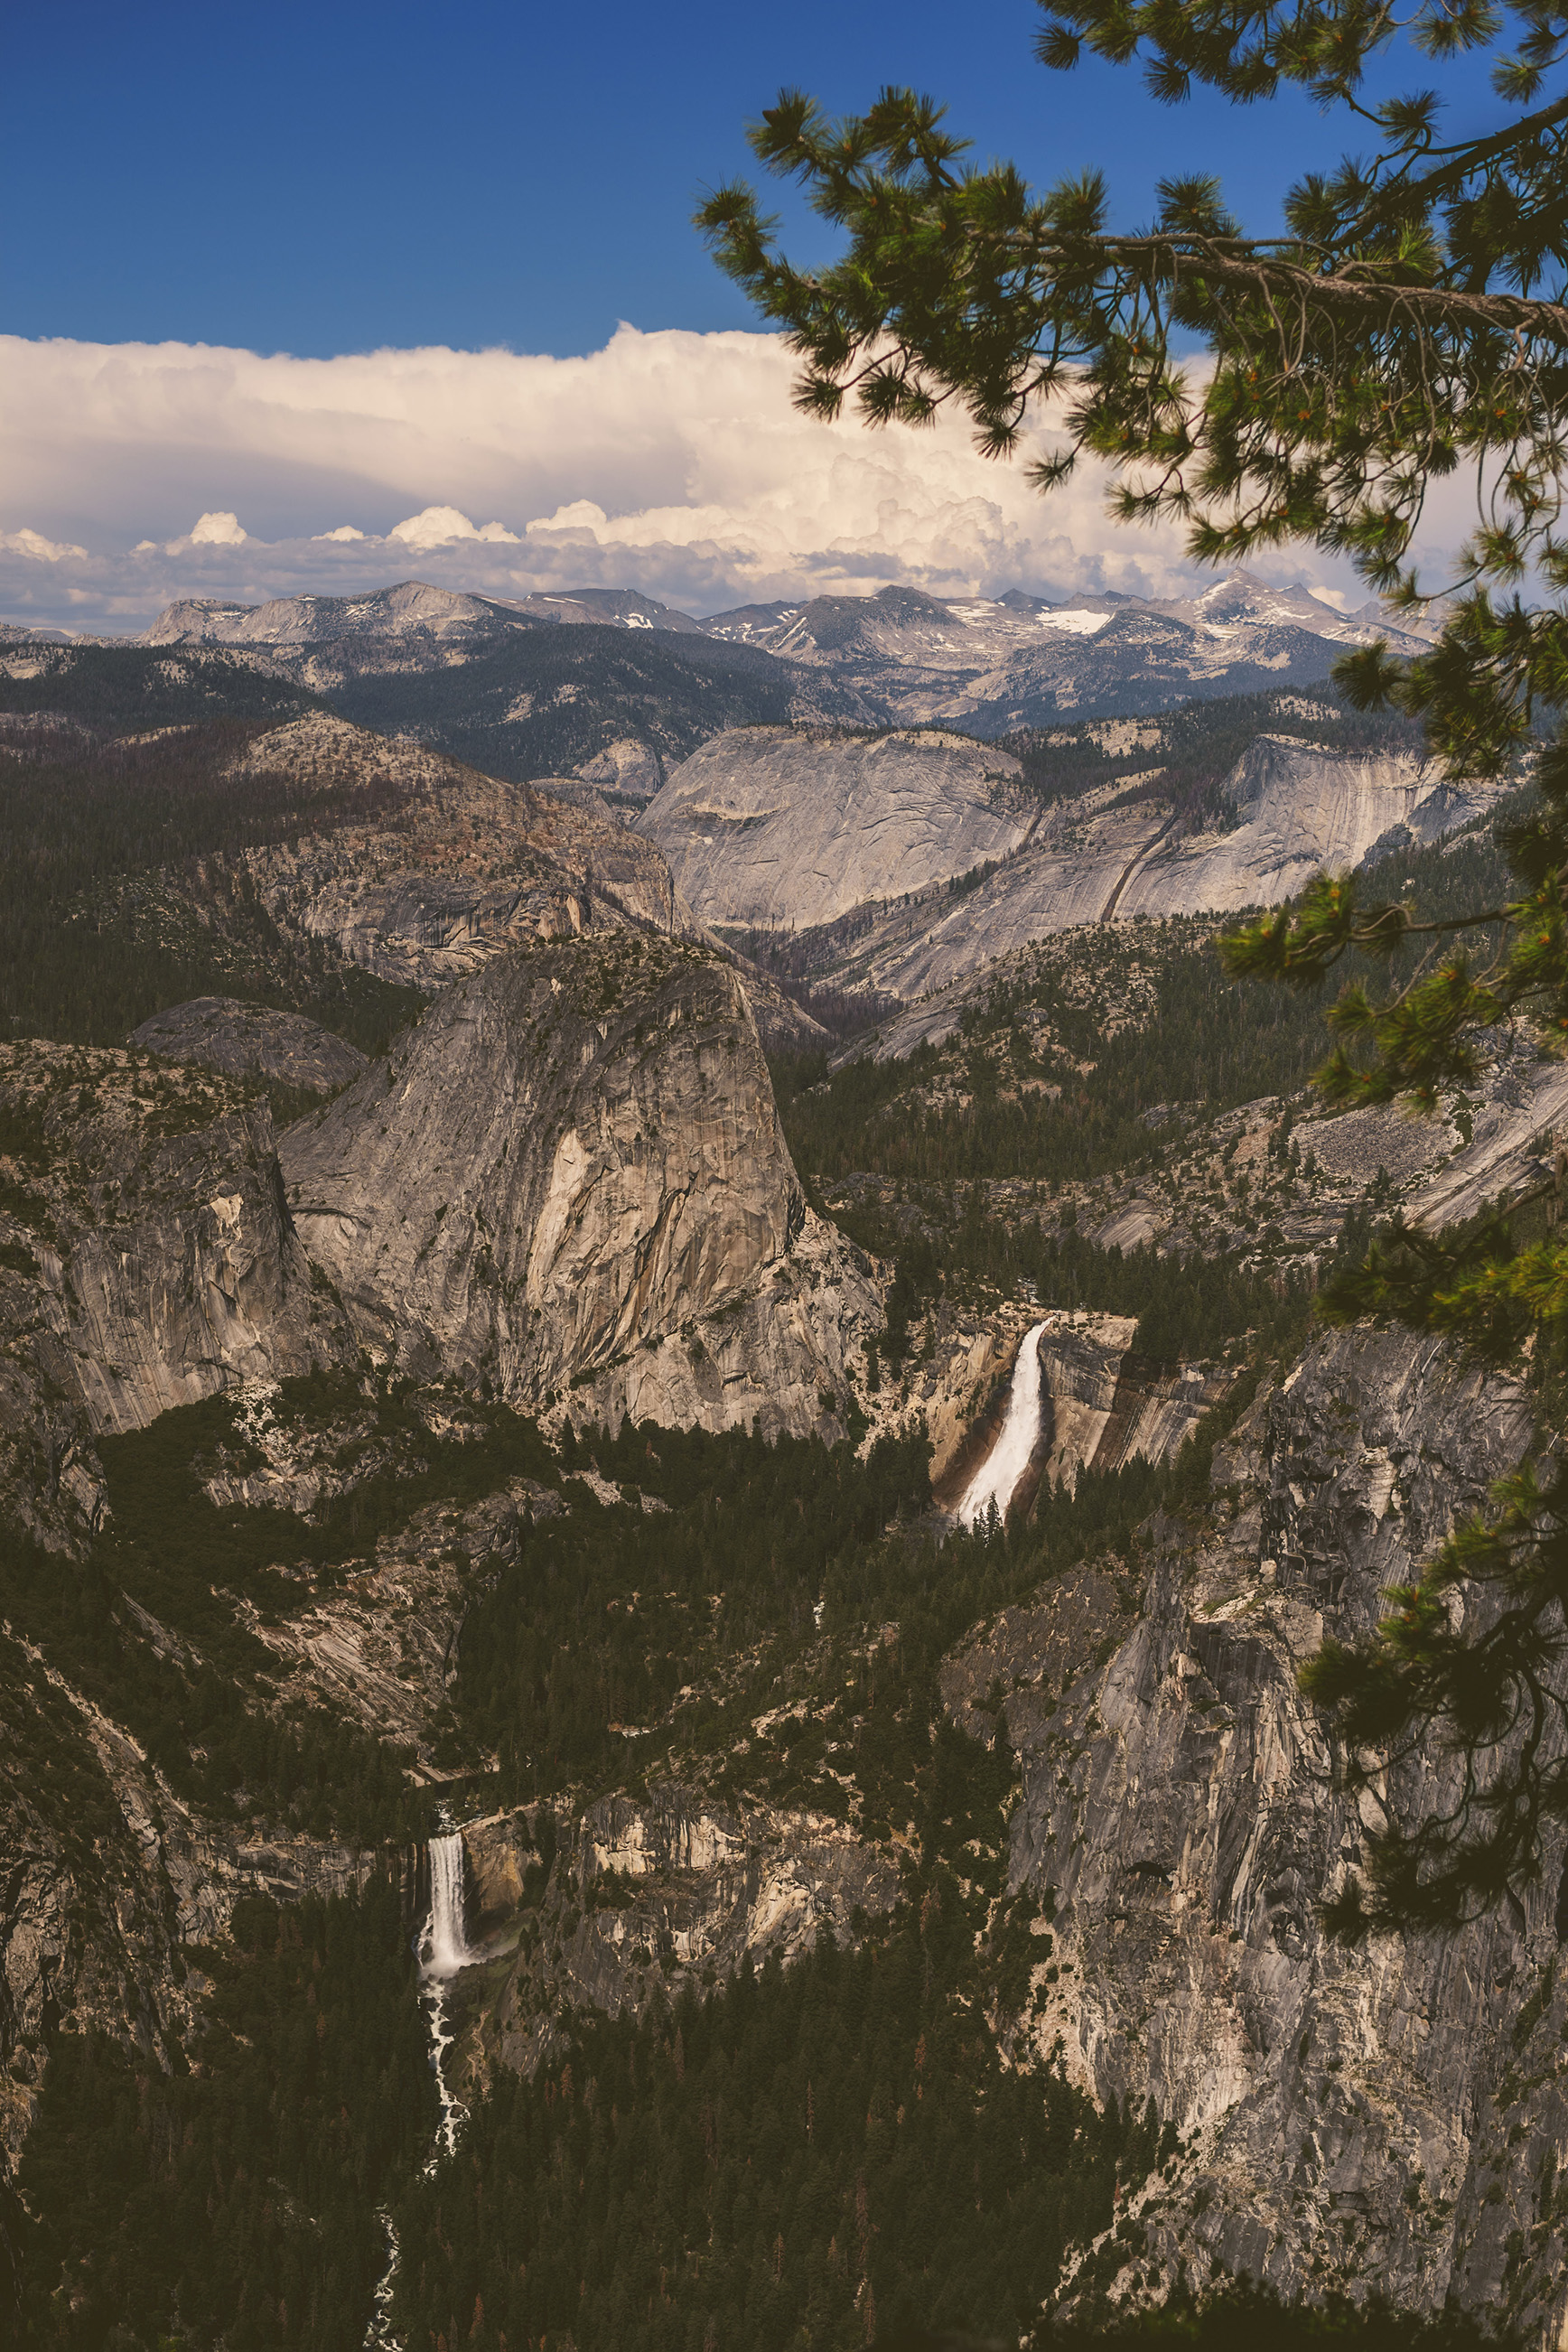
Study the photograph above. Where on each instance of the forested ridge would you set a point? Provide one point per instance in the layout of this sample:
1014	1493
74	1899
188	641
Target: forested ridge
122	886
234	2198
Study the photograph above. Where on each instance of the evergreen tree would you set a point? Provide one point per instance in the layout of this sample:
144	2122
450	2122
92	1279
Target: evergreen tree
1411	322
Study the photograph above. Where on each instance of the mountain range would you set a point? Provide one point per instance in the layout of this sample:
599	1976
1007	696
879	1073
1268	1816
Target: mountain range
898	658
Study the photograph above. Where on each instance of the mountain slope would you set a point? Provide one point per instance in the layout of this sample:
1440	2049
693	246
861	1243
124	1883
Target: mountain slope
781	838
570	1164
766	827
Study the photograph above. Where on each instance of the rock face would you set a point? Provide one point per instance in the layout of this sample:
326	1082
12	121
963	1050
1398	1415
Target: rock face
1387	2118
1299	809
569	1174
448	867
642	1891
1099	1404
107	1875
626	766
221	1034
147	1259
766	827
1102	1406
1101	858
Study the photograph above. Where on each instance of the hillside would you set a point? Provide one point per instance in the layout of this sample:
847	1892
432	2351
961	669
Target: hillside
766	827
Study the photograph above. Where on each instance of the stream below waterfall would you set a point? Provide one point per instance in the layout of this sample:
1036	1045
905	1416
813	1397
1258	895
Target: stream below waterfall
996	1480
443	1947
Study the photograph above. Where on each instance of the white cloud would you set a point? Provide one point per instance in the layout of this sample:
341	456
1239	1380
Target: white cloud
439	526
222	529
36	548
671	462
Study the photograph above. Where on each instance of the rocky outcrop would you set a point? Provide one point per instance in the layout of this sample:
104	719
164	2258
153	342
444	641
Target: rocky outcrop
764	825
147	1259
1299	811
222	1033
1099	1405
571	1180
1102	1406
643	1892
627	768
1391	2116
1118	852
447	867
109	1878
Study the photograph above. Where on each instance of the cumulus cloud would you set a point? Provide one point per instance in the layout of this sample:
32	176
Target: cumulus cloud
671	462
217	531
438	526
35	548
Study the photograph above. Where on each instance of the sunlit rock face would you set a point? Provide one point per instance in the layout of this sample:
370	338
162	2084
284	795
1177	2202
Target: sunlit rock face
570	1176
442	868
1301	811
1387	2117
147	1260
763	825
767	828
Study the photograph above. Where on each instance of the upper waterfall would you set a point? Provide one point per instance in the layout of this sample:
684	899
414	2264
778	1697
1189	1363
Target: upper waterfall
997	1477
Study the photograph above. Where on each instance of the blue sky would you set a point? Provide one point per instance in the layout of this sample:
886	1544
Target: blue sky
333	177
214	214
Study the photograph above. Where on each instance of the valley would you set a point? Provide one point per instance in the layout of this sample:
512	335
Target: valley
660	1390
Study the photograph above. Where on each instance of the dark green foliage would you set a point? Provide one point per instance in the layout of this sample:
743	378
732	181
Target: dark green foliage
1206	1042
120	892
207	1715
824	2148
1188	1309
1242	2316
233	2201
1199	746
115	690
609	1614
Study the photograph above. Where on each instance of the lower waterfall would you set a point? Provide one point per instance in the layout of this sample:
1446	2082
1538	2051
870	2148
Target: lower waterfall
443	1947
996	1479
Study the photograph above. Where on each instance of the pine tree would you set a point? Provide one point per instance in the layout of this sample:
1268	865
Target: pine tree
1412	322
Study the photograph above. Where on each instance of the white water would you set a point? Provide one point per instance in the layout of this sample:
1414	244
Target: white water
443	1949
997	1477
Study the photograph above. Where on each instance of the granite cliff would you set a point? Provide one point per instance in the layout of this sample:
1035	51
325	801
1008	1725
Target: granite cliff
1389	2117
764	827
1119	850
147	1259
571	1176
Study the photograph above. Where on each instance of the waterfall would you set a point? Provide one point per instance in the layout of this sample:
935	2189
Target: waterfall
997	1477
445	1949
